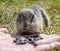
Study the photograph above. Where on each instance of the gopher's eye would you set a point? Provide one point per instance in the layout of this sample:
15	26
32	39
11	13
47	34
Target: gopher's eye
32	18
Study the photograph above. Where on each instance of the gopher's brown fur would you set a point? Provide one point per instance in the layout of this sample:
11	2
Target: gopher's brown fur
32	19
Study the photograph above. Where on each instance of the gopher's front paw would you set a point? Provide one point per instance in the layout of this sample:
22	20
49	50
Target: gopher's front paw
21	40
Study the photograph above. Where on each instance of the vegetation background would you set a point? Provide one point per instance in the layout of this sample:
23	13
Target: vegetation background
10	8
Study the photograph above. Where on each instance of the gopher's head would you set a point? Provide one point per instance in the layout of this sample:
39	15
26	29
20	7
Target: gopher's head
27	21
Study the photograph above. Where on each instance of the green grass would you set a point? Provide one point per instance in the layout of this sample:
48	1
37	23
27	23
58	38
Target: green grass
9	9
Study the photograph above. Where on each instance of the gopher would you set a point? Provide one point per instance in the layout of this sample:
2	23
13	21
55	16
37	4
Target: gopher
30	23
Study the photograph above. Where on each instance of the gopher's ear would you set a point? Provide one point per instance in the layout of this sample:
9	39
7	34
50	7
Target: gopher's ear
19	14
45	17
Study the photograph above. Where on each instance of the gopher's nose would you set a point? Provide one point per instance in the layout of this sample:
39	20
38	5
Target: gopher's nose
25	24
